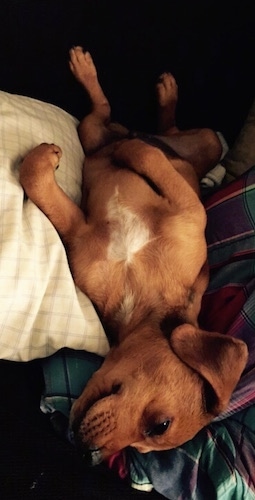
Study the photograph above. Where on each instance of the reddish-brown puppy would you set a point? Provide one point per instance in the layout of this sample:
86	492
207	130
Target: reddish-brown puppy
136	247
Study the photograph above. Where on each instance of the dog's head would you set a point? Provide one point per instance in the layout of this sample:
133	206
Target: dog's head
155	393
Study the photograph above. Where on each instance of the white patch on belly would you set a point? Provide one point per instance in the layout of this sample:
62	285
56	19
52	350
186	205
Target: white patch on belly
128	233
124	314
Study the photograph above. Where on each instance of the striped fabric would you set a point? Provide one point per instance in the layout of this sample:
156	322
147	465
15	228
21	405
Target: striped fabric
229	304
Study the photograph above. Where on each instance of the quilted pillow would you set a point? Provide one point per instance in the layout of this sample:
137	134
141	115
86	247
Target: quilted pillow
41	310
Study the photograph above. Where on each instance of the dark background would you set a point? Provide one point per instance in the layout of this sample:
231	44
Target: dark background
209	46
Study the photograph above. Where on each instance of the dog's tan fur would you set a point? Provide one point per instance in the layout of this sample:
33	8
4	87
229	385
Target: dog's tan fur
139	252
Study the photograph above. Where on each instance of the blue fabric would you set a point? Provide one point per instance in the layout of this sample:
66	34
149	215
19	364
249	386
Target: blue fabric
219	463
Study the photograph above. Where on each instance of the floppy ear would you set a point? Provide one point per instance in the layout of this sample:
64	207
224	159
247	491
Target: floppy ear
219	359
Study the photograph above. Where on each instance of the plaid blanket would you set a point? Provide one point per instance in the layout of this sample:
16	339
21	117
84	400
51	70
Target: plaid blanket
219	463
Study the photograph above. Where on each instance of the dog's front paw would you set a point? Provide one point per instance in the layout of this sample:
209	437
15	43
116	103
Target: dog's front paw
136	154
38	166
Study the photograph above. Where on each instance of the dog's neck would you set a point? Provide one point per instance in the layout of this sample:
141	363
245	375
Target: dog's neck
136	318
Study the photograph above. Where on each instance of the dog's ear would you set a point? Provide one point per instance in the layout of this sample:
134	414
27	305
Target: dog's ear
218	358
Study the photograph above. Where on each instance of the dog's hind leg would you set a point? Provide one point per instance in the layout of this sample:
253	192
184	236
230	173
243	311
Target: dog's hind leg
200	147
95	129
167	97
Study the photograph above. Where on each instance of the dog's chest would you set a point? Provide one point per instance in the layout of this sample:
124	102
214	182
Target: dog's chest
128	231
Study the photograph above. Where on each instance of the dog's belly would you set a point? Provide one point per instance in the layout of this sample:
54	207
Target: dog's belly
101	178
134	238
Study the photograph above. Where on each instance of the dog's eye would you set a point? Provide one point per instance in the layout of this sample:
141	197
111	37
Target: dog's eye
158	429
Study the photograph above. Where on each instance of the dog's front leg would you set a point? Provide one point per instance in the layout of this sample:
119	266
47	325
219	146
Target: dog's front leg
174	177
38	180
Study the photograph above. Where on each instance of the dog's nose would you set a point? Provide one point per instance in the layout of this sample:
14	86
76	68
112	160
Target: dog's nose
92	457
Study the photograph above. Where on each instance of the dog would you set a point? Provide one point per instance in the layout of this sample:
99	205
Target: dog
136	246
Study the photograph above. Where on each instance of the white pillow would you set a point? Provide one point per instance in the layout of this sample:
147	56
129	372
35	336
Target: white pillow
41	310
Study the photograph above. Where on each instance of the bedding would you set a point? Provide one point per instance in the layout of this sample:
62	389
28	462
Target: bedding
219	462
241	156
41	309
